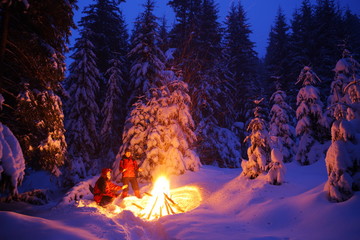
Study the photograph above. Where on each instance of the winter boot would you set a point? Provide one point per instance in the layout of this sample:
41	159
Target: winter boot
137	194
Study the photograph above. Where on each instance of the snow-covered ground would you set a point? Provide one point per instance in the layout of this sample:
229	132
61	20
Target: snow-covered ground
232	207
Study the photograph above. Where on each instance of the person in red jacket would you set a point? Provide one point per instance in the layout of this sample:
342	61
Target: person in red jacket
105	191
129	168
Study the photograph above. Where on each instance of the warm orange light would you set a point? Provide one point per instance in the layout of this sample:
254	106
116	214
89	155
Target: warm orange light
162	201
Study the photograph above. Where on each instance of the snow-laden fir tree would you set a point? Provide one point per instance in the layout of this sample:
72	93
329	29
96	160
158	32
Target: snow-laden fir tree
147	59
48	149
281	127
302	40
216	145
241	59
160	133
82	110
343	156
277	54
311	124
346	71
33	45
12	162
112	113
259	150
108	33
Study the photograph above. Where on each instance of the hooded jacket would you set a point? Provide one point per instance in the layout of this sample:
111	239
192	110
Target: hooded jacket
104	187
129	165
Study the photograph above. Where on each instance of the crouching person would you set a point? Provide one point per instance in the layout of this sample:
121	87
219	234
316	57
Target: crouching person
105	191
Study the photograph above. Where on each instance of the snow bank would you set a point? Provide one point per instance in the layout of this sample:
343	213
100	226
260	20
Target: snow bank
12	161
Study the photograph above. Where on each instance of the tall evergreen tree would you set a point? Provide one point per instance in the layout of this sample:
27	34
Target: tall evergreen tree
147	58
108	31
281	127
160	131
351	28
82	110
185	38
241	57
259	151
327	49
109	36
113	114
311	124
302	40
277	54
342	158
33	44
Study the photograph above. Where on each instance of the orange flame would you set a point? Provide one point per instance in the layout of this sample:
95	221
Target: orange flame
161	202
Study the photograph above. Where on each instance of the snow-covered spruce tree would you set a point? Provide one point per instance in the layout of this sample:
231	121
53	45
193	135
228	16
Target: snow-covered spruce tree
216	145
302	41
108	35
277	54
241	58
281	127
147	59
343	156
259	150
82	110
12	162
311	124
328	31
160	132
346	71
113	114
32	67
49	148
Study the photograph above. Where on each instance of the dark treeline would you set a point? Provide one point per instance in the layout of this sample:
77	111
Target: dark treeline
112	72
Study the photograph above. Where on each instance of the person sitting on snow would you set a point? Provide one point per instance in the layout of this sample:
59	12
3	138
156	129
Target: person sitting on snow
105	191
129	168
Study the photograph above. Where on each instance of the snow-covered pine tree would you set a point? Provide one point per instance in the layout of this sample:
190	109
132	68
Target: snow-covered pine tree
311	124
216	145
281	127
32	67
160	133
302	40
12	162
47	151
277	54
113	114
82	110
241	59
147	59
108	32
346	70
343	156
351	26
184	38
259	150
328	30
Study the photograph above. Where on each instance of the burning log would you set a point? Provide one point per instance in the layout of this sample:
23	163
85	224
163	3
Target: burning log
169	199
153	207
141	208
149	194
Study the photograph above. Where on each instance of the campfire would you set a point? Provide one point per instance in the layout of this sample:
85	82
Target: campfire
163	201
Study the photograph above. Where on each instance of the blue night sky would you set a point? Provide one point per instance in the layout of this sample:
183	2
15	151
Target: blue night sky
260	13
